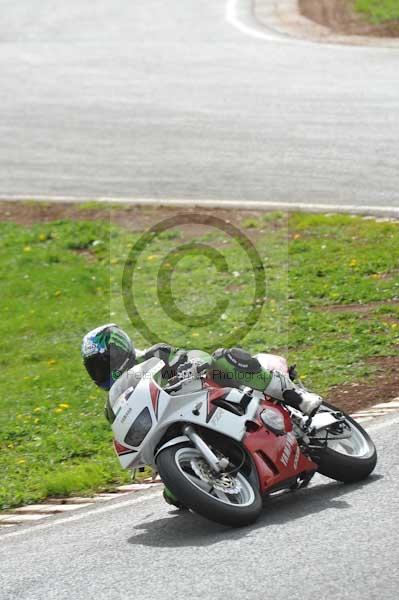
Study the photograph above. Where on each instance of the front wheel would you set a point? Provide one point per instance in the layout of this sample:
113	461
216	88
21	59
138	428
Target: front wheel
229	499
347	460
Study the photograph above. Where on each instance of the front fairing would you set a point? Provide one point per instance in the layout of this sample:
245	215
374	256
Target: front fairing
193	404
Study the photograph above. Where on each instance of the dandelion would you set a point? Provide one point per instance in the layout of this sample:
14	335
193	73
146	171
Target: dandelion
58	410
51	362
36	421
27	248
194	334
42	237
353	262
37	409
64	405
21	461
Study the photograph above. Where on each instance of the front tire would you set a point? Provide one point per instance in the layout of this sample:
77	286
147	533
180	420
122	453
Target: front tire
350	460
184	472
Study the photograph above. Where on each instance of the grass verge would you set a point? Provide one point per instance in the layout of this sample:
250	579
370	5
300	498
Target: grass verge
378	11
61	278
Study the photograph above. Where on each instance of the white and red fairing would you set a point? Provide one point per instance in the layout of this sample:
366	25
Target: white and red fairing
137	389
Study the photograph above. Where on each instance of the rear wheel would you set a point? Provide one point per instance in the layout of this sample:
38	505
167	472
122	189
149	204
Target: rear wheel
229	499
348	460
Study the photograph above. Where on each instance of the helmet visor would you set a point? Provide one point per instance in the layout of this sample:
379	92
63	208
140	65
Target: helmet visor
99	369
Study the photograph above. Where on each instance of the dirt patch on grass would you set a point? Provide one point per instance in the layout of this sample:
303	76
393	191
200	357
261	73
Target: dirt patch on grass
133	217
362	309
340	17
381	387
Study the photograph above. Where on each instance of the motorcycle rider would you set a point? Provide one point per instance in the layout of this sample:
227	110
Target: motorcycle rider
108	353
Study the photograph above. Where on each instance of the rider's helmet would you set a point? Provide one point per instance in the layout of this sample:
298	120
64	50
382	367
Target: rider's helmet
107	352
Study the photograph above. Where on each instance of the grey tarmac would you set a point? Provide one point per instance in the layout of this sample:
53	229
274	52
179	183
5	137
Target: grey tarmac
169	100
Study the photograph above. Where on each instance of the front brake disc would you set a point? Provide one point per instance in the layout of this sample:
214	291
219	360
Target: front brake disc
224	482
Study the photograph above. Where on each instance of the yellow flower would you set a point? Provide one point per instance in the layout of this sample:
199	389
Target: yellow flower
394	325
58	410
152	257
21	461
27	248
42	237
64	405
37	409
36	421
58	293
51	361
353	262
195	334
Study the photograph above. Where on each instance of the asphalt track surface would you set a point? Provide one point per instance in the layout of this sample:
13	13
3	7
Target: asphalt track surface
327	541
154	99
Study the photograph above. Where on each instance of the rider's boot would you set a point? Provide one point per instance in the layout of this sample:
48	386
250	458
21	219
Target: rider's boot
171	499
282	388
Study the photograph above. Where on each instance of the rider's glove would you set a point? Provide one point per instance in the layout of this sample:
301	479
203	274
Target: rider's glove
160	350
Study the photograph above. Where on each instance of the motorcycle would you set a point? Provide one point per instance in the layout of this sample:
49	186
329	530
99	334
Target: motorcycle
221	450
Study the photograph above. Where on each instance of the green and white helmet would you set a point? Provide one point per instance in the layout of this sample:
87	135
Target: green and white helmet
107	352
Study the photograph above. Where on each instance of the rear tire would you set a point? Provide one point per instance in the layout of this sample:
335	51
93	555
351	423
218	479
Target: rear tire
343	467
199	500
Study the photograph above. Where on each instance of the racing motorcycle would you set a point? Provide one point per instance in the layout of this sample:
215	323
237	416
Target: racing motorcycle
220	450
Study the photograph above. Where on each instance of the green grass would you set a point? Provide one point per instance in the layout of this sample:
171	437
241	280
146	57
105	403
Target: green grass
59	279
378	11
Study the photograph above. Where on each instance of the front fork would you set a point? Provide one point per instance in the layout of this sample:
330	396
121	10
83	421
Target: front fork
217	464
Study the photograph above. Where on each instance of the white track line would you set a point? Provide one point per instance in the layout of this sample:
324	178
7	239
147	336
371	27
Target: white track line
82	515
233	19
212	203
